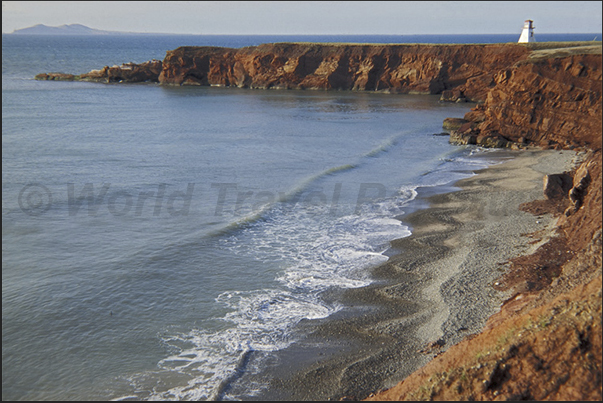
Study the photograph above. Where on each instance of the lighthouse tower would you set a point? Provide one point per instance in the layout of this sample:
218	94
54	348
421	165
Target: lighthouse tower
527	34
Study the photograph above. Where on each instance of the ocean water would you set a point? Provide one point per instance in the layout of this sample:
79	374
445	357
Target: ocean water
153	236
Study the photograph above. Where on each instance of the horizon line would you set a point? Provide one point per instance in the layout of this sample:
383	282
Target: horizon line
108	33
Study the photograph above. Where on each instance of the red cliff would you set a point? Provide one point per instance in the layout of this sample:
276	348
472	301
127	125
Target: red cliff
428	69
544	101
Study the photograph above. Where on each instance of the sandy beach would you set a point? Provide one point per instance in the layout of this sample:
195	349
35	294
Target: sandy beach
435	290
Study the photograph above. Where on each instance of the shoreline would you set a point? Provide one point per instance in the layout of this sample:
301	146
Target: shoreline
432	293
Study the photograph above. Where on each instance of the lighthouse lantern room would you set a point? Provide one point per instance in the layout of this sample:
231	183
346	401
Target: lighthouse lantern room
527	34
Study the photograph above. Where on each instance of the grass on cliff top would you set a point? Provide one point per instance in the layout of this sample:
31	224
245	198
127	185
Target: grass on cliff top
551	53
533	45
536	46
386	44
559	45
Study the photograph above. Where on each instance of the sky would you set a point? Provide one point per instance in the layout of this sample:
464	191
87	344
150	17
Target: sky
309	17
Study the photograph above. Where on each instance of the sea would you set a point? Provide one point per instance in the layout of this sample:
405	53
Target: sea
153	236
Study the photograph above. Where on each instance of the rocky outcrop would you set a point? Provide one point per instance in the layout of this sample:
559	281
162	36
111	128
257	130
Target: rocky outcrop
553	102
475	73
56	77
556	186
126	73
453	123
455	95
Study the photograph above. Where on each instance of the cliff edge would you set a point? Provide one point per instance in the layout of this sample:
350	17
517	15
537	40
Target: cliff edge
468	70
428	69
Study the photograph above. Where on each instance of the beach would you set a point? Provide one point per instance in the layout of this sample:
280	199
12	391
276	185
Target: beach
437	287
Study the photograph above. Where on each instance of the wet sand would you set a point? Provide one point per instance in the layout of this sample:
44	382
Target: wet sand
435	290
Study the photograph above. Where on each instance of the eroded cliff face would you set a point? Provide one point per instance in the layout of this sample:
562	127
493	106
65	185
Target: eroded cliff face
428	69
546	102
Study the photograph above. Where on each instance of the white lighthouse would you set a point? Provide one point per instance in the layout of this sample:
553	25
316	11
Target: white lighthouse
527	34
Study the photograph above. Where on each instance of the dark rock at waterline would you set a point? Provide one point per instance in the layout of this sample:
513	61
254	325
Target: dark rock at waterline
462	138
454	95
453	123
56	77
126	73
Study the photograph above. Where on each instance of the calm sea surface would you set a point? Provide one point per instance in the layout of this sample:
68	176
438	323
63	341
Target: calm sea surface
151	236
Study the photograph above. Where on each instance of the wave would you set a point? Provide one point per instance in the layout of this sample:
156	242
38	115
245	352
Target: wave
294	194
385	146
290	197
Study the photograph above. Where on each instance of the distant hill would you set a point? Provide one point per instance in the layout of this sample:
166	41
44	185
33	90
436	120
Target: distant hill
71	29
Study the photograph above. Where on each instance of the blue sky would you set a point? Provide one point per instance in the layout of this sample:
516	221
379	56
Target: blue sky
310	17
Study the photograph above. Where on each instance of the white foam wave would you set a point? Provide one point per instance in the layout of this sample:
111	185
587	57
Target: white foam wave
258	321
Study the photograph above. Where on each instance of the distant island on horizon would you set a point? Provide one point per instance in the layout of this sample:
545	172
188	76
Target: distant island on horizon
70	29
